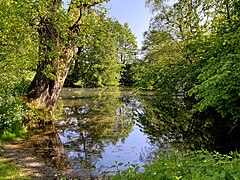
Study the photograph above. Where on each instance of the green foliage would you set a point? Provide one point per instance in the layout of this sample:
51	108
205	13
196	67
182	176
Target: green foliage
37	117
163	67
103	53
218	85
17	59
126	49
10	171
191	55
127	75
96	62
18	43
190	165
11	112
126	46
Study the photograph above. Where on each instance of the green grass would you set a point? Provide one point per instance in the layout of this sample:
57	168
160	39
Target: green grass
10	171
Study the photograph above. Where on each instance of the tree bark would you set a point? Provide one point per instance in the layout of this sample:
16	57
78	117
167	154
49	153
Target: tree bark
44	91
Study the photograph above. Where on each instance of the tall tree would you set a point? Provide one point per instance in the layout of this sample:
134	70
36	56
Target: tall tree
110	46
96	62
207	32
58	30
126	42
126	50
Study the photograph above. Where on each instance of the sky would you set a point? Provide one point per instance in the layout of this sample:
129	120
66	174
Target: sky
134	13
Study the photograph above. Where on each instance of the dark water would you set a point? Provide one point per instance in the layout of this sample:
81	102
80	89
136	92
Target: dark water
104	127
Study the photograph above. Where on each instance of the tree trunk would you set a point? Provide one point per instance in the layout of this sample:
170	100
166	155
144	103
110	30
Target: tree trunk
56	51
54	62
45	90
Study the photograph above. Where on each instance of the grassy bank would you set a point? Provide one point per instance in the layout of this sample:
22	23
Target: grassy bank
8	170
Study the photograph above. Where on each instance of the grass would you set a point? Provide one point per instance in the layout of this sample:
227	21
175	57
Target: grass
10	171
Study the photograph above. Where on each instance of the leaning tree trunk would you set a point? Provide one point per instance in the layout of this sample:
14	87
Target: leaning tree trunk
56	52
45	88
54	61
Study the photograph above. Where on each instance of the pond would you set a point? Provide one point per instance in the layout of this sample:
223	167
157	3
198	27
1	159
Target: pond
101	128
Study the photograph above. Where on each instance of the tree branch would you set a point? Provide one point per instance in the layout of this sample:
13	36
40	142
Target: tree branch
82	8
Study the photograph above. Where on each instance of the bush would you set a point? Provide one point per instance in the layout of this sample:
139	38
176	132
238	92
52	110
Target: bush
11	113
192	165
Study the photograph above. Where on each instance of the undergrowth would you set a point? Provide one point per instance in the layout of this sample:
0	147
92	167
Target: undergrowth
195	165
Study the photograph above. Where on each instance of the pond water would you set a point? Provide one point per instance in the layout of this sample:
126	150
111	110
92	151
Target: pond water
100	128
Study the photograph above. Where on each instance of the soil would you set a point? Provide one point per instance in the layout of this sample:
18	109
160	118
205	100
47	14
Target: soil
41	156
26	159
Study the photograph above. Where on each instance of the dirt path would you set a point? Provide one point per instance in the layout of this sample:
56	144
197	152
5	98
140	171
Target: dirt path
26	159
37	157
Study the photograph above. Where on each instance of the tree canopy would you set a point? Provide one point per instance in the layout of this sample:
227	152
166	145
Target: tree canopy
103	53
191	48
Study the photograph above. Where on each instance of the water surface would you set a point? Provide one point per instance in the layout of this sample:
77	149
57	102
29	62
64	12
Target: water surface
101	128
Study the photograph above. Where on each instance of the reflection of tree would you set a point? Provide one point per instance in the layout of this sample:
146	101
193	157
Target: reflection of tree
90	102
93	121
48	144
107	102
172	122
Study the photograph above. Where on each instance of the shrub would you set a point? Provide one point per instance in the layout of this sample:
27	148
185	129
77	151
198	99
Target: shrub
11	113
192	165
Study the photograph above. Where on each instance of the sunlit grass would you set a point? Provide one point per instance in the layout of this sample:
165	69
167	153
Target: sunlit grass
10	171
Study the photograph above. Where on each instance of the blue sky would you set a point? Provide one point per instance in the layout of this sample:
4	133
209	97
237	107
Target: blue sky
134	13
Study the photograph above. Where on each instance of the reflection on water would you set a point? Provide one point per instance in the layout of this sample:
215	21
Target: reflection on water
102	127
47	144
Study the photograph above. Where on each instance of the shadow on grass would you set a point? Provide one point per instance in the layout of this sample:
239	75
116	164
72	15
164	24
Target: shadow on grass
10	171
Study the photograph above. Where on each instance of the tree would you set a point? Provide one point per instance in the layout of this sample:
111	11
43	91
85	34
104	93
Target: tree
58	32
101	59
96	62
126	42
126	50
162	58
218	81
207	34
167	61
